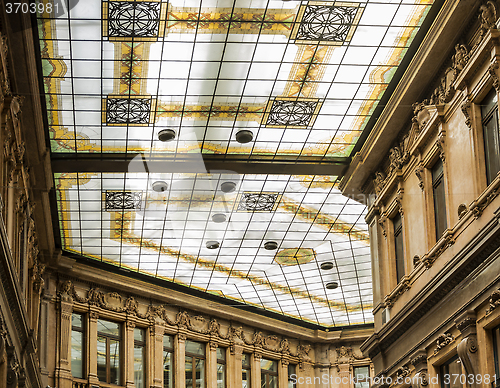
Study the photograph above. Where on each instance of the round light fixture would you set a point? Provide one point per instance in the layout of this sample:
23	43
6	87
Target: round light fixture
159	186
326	265
212	244
228	187
244	136
271	245
332	285
219	217
166	135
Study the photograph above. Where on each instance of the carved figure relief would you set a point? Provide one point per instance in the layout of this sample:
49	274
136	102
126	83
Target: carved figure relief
442	341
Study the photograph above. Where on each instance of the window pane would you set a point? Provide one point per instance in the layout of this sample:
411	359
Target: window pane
106	327
292	376
221	376
496	353
263	380
273	381
221	354
139	366
168	342
439	198
76	321
195	348
398	247
245	359
200	373
168	370
492	146
77	354
138	335
101	358
269	365
189	372
245	377
114	362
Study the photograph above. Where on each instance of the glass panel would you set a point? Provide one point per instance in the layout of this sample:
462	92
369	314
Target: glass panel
200	373
269	365
101	359
76	321
221	376
106	327
189	372
195	348
451	367
273	381
492	145
139	366
398	247
362	377
245	359
263	380
292	376
139	334
489	102
245	377
221	354
168	370
168	342
439	198
114	362
77	354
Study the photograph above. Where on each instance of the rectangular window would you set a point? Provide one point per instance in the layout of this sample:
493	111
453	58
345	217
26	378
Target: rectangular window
108	351
268	373
398	247
361	376
168	361
245	370
221	368
489	115
77	345
496	355
292	375
139	357
195	364
439	198
447	370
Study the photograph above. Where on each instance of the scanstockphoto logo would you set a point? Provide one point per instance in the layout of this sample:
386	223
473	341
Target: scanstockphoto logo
43	9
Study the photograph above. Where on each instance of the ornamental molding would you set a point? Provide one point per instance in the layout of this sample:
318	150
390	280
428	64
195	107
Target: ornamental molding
442	341
185	322
403	286
494	301
346	354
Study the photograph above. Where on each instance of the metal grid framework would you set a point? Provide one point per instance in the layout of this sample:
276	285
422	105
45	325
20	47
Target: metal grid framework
167	238
303	76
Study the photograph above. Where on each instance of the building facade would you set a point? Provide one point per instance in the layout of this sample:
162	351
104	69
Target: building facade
434	210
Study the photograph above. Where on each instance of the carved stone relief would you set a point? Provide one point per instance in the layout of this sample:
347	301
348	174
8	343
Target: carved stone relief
442	341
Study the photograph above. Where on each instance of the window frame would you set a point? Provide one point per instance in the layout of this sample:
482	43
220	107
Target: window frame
399	258
246	368
81	330
140	345
266	373
363	380
223	363
444	369
170	350
292	370
119	339
491	141
439	198
194	357
495	332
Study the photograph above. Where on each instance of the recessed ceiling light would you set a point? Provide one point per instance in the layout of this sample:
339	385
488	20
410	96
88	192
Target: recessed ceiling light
228	187
159	186
327	265
271	245
166	135
332	285
244	136
219	217
212	244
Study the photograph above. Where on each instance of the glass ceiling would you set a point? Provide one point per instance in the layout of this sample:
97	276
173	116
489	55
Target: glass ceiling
302	76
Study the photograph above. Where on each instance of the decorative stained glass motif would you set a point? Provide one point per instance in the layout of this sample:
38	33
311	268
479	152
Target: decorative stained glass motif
123	200
139	19
258	202
128	110
295	256
298	113
322	22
